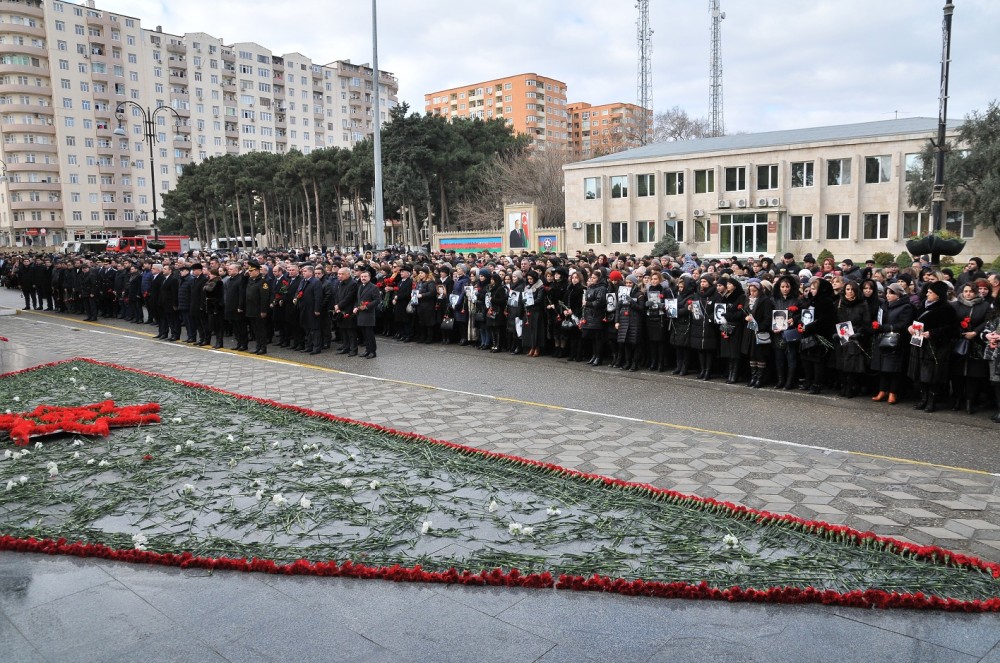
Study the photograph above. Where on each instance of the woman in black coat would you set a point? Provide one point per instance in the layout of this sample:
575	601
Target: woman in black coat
851	352
573	311
514	291
426	291
757	339
703	336
594	311
818	325
657	323
628	323
891	345
533	314
939	327
680	327
555	296
968	370
786	340
495	303
731	332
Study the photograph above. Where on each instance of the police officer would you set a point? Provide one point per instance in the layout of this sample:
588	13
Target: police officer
258	303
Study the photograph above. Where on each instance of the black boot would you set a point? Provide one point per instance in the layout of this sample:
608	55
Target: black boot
781	381
731	377
931	404
922	403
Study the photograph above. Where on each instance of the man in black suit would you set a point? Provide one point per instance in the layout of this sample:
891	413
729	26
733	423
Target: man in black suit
88	292
170	323
518	236
234	303
310	308
368	299
345	301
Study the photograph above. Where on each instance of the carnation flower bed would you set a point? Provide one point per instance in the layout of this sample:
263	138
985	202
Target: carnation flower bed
231	482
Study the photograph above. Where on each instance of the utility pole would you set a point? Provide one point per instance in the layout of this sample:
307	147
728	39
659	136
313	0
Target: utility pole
644	82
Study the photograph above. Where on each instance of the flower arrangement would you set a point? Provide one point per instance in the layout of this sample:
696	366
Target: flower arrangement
94	419
514	522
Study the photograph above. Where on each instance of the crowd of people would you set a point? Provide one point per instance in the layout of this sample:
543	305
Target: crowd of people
887	333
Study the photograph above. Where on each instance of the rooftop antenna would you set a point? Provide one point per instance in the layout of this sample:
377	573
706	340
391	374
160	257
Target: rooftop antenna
644	82
717	126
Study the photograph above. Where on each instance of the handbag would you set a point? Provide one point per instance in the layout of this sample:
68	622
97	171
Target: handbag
889	341
410	308
568	323
808	342
447	324
763	338
961	347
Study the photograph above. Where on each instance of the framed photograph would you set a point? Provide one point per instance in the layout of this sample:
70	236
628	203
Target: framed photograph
696	312
917	340
779	321
719	314
845	330
671	307
529	297
808	315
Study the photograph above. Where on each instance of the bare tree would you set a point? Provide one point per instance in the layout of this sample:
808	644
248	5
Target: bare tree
535	178
676	124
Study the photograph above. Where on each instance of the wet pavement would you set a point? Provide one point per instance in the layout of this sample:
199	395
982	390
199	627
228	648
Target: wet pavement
60	609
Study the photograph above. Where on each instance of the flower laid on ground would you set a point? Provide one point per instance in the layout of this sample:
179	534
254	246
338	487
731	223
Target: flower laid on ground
230	438
247	448
176	420
83	388
77	443
515	528
147	457
23	480
39	445
178	448
7	454
730	541
107	394
73	380
189	488
52	468
104	463
16	399
425	527
139	541
347	483
553	511
493	506
76	454
259	494
189	443
298	463
304	503
374	484
233	462
279	499
11	484
74	369
149	439
91	461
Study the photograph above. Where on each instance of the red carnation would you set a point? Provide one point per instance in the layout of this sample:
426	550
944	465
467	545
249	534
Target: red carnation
966	322
147	457
875	324
793	308
739	307
4	339
801	328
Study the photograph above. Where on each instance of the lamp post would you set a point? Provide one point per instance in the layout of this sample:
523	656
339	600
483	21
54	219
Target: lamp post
149	127
938	199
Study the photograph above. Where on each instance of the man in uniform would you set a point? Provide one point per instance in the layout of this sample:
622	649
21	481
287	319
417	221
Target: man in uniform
258	303
310	307
343	311
234	296
88	293
167	303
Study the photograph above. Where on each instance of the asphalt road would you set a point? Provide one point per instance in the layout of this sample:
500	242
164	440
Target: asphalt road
944	438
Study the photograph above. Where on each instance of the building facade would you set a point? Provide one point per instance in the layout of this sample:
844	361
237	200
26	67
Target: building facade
66	68
533	105
842	188
607	128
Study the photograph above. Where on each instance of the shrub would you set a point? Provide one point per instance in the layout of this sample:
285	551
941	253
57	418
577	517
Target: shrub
904	260
993	266
946	261
666	246
883	258
823	255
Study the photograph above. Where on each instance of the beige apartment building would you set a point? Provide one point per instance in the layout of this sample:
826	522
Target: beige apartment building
533	105
606	128
842	188
66	68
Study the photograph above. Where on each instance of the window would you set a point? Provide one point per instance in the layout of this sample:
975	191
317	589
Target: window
645	232
594	233
674	228
645	185
914	167
702	230
619	232
955	222
877	169
916	223
674	183
767	177
619	186
704	181
736	178
743	233
800	226
838	226
591	188
802	174
876	226
838	172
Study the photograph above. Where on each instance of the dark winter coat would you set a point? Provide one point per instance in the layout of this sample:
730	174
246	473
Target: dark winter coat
704	334
853	356
896	318
630	316
929	362
823	313
594	307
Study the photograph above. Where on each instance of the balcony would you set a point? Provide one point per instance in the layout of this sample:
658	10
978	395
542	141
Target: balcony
23	49
53	185
21	29
176	47
14	88
32	167
35	128
27	205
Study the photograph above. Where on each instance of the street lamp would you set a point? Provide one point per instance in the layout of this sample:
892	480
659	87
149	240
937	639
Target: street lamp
149	126
3	170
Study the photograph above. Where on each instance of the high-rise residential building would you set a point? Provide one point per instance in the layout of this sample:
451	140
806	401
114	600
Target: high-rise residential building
66	68
533	105
605	129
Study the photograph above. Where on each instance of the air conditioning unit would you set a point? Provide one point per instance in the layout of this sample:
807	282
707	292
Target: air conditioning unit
671	215
762	202
723	204
774	202
698	212
577	225
742	202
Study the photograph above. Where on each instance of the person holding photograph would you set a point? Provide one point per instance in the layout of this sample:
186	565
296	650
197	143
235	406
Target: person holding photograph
514	319
851	352
703	336
496	318
817	327
657	323
758	338
889	351
629	320
573	301
680	328
733	304
533	314
929	362
594	311
786	339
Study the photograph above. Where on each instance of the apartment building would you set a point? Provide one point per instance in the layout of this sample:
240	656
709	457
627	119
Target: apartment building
66	68
607	128
533	105
843	188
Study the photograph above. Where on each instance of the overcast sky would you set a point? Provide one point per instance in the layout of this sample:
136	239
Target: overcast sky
786	64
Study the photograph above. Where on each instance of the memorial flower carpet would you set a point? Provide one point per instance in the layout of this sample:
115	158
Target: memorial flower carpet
231	482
